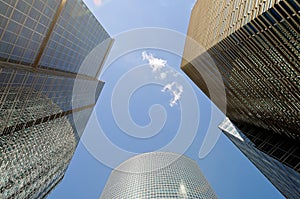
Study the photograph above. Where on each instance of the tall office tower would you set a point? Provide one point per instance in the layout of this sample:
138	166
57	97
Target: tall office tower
254	45
254	48
157	175
283	177
48	89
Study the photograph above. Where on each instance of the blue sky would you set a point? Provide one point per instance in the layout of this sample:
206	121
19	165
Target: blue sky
230	174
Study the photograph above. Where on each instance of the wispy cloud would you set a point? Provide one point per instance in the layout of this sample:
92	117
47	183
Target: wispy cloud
156	63
176	91
158	67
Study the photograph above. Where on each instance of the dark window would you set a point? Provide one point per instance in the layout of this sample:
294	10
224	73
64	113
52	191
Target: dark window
292	161
278	154
286	8
252	28
19	126
269	18
38	121
274	13
29	124
293	5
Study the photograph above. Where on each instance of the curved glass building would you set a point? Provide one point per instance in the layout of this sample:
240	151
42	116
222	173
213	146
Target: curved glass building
158	175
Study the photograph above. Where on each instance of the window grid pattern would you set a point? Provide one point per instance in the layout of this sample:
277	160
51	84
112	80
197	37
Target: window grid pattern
41	116
259	65
23	27
283	177
76	33
35	158
227	17
30	113
266	77
22	95
284	150
151	175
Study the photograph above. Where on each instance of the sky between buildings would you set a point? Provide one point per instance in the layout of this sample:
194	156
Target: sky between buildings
229	173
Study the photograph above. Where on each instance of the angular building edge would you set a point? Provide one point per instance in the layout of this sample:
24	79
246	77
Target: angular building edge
284	178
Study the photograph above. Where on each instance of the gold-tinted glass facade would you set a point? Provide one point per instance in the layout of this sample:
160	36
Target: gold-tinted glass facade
47	90
212	21
259	64
255	49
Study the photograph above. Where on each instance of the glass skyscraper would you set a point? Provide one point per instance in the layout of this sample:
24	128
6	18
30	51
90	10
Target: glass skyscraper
34	157
47	90
254	46
158	175
282	176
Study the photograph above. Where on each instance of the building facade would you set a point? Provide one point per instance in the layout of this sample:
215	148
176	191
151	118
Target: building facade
35	157
254	46
157	175
256	52
47	90
254	146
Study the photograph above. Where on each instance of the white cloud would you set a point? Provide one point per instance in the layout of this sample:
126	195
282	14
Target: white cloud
176	90
158	67
156	63
164	74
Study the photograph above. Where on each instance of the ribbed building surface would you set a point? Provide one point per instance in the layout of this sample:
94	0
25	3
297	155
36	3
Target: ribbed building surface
157	175
255	145
256	52
255	49
47	90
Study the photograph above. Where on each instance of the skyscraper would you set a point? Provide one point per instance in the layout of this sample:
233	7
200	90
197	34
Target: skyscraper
47	90
34	157
157	175
283	177
254	45
255	49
